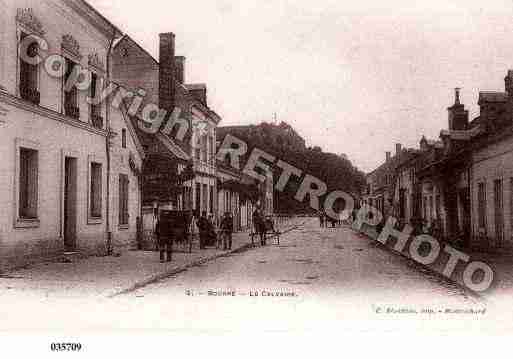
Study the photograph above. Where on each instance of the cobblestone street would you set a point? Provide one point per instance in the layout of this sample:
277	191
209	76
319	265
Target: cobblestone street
314	262
317	278
301	283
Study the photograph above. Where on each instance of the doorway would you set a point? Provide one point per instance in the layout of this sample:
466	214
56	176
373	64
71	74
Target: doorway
70	203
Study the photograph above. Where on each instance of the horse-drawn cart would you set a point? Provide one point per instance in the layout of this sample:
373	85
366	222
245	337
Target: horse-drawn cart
175	225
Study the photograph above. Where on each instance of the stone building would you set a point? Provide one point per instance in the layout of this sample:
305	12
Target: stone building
491	179
463	182
380	182
163	85
434	183
69	176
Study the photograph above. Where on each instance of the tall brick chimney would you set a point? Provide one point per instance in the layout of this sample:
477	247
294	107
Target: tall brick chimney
167	71
458	116
388	156
398	148
180	69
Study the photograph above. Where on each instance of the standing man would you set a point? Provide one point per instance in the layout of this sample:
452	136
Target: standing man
193	229
203	229
227	230
164	239
259	224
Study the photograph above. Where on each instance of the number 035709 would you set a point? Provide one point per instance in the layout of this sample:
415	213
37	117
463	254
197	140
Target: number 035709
65	347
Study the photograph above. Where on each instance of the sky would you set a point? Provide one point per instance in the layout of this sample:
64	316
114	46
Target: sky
352	77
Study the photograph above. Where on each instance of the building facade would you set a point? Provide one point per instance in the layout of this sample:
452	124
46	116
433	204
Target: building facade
381	183
460	187
58	186
163	84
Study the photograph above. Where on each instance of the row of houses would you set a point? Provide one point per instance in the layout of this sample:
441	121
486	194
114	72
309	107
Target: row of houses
76	174
458	187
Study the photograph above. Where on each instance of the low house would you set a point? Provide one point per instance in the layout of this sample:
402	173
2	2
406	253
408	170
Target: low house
491	179
237	194
381	184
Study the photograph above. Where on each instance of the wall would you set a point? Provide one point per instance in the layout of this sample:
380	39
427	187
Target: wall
134	68
124	236
58	20
55	137
18	245
493	162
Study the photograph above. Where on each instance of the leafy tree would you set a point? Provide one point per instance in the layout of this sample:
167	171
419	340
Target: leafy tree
336	171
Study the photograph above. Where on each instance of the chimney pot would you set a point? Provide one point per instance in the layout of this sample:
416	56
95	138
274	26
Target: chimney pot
458	116
398	148
457	96
180	69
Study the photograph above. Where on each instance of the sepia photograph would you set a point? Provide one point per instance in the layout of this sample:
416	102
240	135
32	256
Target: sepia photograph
252	167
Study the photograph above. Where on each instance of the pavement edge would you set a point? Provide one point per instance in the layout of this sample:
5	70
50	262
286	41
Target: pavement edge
174	271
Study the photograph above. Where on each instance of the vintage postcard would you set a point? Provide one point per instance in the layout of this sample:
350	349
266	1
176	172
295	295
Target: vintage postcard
255	166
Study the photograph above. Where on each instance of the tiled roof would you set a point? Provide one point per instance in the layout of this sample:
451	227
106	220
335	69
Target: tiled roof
195	86
492	96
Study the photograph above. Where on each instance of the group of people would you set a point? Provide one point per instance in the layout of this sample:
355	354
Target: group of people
202	228
205	229
324	220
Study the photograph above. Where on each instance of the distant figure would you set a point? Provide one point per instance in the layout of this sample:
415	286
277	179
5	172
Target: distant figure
203	229
193	227
211	231
269	226
321	219
227	230
164	240
258	222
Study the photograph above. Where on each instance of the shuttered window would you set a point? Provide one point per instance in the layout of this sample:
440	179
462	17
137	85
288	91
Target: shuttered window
211	199
499	210
481	204
204	198
71	94
198	198
123	138
123	199
28	183
95	112
95	195
29	72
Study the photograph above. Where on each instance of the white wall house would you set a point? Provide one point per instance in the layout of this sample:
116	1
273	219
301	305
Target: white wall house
54	168
492	193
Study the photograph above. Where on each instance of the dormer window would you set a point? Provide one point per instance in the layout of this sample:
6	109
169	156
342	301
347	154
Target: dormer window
70	95
29	73
95	112
29	31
